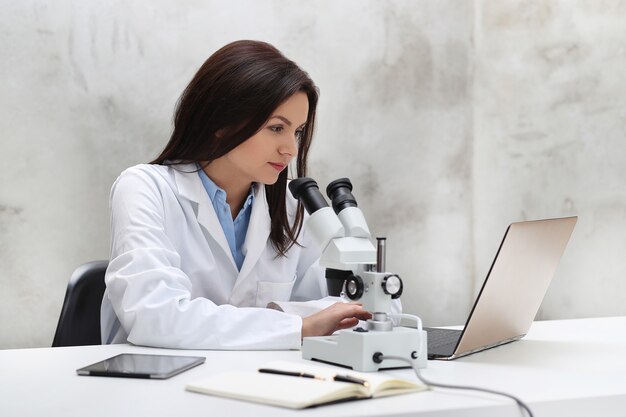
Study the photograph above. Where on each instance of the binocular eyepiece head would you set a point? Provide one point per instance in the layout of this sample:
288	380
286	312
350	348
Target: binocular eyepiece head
339	191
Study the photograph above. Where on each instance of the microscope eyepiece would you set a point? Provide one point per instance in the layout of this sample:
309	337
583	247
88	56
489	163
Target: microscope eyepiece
306	190
340	193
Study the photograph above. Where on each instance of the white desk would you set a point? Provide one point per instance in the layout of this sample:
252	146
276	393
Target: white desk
562	368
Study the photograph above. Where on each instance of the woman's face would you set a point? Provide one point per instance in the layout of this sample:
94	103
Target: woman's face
262	157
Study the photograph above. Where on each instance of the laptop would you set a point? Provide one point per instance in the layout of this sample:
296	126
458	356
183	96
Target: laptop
512	292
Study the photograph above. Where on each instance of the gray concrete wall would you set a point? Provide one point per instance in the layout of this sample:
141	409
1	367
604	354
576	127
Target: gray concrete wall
452	118
550	139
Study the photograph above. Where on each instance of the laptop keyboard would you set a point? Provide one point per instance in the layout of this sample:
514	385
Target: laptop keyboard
442	342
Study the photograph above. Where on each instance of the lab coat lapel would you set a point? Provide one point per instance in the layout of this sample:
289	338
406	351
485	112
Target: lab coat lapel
257	235
190	186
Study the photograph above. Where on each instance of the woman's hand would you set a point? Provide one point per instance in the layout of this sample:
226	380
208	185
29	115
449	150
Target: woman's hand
333	318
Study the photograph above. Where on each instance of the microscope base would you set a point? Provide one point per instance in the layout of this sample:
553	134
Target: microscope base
356	349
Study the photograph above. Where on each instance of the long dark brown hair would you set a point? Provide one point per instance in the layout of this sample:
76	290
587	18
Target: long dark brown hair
234	93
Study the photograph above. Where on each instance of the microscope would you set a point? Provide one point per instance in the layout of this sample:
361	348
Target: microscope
356	270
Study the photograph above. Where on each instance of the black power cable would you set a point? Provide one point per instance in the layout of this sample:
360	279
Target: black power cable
380	357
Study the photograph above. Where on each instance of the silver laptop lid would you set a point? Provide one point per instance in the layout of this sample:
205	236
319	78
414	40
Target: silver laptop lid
516	283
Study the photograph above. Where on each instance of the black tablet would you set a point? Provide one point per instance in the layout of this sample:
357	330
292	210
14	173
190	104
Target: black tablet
135	365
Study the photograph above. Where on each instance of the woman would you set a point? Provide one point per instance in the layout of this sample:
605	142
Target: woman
205	237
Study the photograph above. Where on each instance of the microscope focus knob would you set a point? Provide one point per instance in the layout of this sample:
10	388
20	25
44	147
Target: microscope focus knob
392	285
354	287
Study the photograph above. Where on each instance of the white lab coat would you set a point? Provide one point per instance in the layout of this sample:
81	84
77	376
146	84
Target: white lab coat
172	281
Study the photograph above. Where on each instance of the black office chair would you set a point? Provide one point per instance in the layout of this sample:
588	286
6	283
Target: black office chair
79	323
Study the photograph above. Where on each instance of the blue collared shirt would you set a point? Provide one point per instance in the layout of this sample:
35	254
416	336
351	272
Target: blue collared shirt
234	230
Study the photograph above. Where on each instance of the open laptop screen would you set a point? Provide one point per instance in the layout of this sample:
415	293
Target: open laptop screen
516	283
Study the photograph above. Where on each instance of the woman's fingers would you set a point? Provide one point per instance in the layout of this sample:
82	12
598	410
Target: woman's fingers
352	310
338	316
347	323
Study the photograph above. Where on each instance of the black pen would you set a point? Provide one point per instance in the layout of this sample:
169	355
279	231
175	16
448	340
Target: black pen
287	373
351	379
338	378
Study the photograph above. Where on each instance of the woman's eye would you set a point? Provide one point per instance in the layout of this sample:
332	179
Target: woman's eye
276	129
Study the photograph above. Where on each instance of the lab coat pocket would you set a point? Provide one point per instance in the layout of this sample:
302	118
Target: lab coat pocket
268	291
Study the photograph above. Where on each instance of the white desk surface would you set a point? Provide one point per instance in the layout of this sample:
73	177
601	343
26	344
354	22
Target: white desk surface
562	368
